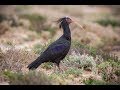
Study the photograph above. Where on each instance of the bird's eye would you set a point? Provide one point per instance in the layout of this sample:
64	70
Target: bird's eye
68	20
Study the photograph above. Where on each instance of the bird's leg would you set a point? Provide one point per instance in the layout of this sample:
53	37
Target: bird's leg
60	69
55	67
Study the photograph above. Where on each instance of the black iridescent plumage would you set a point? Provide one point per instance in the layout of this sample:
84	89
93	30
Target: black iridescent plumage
58	49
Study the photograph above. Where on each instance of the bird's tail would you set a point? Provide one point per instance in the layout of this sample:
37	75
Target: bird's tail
34	65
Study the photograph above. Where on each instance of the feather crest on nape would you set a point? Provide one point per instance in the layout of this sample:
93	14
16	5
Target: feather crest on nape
59	22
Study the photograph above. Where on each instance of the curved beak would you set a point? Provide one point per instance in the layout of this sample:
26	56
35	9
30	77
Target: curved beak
74	20
78	25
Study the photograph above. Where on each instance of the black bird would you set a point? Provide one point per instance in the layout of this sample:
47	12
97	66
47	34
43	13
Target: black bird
58	49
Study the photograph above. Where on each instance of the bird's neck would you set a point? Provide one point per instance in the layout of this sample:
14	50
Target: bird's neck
66	30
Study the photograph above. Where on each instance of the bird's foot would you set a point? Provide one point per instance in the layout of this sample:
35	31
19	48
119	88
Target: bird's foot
60	70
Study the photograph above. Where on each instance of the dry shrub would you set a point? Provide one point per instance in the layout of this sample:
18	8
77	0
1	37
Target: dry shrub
14	59
3	28
94	40
37	21
94	34
13	63
110	71
101	32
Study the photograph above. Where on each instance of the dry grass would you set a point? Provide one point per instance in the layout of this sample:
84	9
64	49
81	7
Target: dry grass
15	60
74	67
20	46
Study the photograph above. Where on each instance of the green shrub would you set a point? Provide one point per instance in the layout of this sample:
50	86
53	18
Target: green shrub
91	81
47	65
81	48
108	21
38	48
34	17
50	29
80	61
110	71
117	72
9	43
73	71
37	21
30	78
2	17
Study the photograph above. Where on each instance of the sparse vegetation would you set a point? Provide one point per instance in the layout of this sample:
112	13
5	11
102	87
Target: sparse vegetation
87	63
38	48
81	48
3	28
14	59
108	69
73	71
2	17
108	21
81	61
51	30
92	81
47	65
30	78
37	21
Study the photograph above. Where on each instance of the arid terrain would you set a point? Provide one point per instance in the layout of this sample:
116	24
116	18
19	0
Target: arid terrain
26	31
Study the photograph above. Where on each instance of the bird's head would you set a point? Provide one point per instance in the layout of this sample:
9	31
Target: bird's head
64	19
68	20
